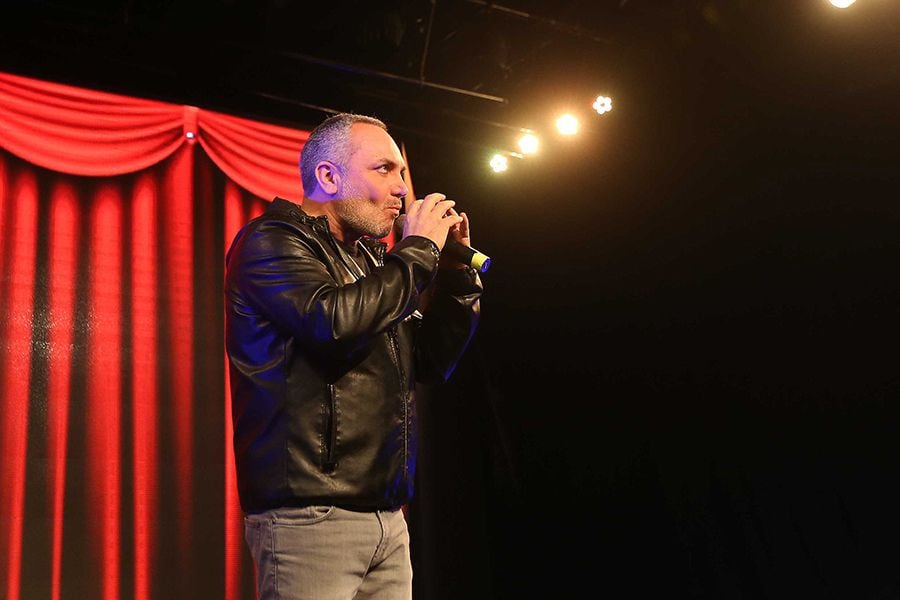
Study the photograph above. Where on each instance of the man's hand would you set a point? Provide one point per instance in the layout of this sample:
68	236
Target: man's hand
433	217
459	233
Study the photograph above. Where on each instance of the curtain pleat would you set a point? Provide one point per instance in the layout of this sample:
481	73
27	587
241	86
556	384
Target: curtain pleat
70	130
83	132
263	161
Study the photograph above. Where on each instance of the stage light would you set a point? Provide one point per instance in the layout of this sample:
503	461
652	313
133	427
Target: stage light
499	163
603	104
567	124
842	3
528	143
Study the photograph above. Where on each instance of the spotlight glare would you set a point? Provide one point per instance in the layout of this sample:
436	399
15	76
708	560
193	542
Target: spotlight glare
528	143
842	3
603	104
499	163
567	124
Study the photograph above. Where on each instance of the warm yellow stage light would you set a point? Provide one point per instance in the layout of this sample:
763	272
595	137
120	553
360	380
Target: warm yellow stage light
499	163
602	104
567	124
528	143
842	3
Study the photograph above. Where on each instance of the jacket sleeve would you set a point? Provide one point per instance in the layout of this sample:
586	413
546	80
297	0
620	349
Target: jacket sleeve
275	270
448	324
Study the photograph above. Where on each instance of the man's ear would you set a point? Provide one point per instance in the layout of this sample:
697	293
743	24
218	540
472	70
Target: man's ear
329	177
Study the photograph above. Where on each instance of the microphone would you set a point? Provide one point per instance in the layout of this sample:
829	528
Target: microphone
467	255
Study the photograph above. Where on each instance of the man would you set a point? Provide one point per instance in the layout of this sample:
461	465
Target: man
325	342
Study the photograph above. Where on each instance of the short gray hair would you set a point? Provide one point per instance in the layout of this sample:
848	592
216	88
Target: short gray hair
330	141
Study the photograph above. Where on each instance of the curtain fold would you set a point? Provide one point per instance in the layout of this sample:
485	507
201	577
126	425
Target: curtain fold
83	132
263	159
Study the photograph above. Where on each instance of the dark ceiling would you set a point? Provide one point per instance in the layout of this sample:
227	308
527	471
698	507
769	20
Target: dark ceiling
466	71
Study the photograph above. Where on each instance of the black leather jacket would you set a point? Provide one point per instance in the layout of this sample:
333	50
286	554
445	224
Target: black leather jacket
323	359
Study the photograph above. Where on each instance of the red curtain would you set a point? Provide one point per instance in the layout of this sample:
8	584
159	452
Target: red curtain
84	132
116	478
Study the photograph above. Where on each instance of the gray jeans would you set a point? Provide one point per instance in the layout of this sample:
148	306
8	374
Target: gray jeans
328	553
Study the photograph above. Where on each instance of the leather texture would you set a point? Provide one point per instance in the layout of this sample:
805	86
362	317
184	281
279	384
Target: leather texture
325	349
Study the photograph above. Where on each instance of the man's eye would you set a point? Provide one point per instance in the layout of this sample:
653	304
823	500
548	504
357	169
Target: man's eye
383	169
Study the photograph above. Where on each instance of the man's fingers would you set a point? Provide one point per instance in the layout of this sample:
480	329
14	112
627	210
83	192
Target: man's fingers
444	207
429	202
433	217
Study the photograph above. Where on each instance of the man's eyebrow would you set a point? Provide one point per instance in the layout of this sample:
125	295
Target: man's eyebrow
391	163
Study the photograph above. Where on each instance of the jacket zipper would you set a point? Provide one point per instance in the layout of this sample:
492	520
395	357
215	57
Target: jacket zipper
330	437
395	354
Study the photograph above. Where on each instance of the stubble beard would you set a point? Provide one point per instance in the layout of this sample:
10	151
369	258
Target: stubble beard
357	213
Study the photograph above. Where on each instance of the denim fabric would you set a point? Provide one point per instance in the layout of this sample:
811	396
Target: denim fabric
329	553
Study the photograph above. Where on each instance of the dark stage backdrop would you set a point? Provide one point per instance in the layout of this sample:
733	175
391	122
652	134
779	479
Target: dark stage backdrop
117	479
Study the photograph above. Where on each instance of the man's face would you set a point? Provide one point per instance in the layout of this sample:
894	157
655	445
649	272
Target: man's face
372	186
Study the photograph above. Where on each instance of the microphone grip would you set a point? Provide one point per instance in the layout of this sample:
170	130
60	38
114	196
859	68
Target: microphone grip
467	255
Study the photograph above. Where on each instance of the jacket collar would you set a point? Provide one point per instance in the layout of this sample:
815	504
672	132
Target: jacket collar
280	205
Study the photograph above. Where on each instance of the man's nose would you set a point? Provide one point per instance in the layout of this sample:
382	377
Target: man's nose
400	189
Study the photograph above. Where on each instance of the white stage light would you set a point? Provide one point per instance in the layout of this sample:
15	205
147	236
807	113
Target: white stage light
499	163
603	104
567	124
842	3
528	143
